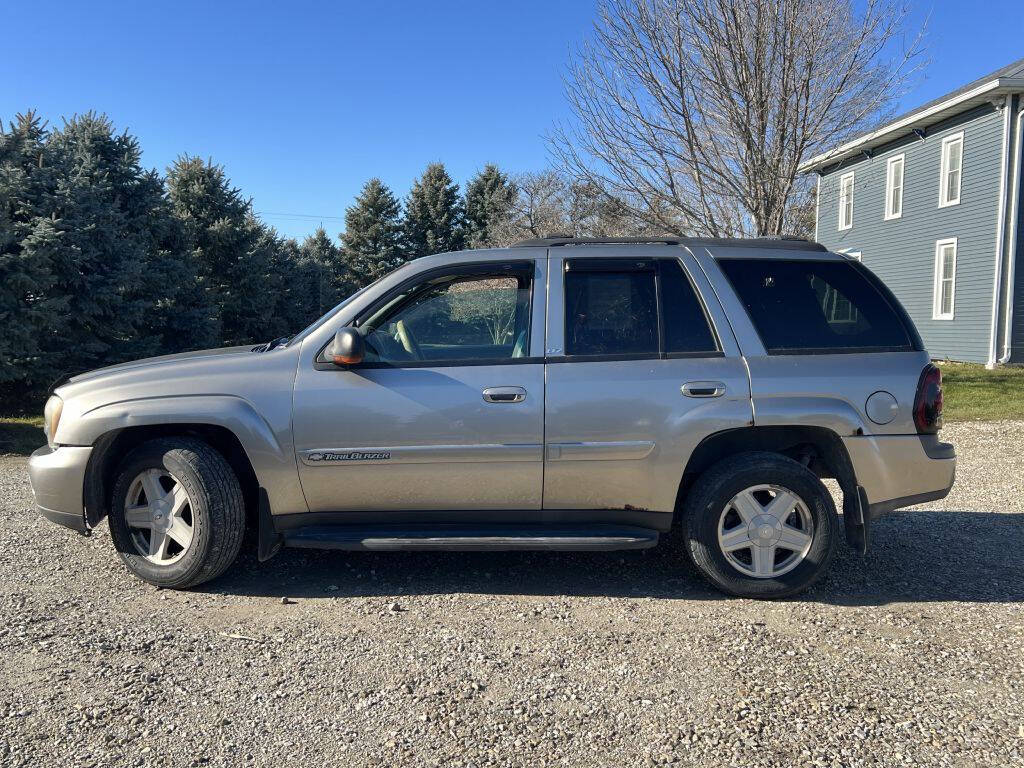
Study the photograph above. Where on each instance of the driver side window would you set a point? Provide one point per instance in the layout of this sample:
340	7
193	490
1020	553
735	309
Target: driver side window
453	318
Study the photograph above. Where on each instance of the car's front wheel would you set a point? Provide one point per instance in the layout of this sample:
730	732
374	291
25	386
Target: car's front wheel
177	514
760	525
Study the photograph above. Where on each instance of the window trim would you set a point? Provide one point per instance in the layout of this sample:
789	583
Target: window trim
656	264
844	225
523	267
889	186
937	313
945	202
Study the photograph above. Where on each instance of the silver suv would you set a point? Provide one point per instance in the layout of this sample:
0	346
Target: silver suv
563	394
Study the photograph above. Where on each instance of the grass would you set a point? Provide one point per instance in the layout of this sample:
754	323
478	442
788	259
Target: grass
20	435
970	392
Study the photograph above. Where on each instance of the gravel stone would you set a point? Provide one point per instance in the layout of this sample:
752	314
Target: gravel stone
911	657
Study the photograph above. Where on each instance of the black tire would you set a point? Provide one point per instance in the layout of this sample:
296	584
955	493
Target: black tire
713	490
217	511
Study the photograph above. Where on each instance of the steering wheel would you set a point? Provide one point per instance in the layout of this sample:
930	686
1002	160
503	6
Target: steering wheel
408	342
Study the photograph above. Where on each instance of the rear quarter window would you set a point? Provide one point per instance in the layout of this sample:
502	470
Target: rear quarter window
815	307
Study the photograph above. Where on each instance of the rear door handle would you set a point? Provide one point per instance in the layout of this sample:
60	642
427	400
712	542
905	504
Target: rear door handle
504	395
703	389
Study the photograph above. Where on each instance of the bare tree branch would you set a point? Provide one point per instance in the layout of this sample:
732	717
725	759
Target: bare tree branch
696	114
548	202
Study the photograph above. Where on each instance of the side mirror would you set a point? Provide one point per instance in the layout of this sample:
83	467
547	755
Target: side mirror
348	347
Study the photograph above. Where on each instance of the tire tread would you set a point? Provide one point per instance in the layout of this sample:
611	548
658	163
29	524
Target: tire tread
225	508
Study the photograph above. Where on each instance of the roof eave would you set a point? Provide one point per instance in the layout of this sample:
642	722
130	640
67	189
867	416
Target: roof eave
916	120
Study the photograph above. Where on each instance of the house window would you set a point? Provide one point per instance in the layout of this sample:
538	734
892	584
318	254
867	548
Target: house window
894	187
835	306
846	201
952	169
945	279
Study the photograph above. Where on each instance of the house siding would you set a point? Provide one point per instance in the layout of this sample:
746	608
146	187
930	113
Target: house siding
902	251
1017	320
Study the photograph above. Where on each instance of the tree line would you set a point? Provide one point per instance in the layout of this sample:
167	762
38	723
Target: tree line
103	260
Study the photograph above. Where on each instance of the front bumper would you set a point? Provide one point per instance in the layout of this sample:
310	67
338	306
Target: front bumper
57	476
901	470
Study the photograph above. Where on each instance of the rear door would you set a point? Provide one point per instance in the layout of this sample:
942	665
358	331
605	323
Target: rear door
641	366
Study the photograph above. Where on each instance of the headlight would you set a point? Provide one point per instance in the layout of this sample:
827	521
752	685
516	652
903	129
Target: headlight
51	417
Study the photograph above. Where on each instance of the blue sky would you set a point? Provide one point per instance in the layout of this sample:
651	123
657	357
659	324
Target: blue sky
302	102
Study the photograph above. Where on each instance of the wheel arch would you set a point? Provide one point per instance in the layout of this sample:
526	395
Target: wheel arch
110	448
818	448
228	420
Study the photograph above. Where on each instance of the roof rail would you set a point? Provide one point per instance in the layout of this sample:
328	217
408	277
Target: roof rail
775	241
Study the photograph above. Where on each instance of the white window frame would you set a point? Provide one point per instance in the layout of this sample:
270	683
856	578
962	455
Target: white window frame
944	170
937	313
854	254
844	225
889	186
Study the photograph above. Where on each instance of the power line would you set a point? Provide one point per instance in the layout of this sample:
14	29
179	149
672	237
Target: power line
311	216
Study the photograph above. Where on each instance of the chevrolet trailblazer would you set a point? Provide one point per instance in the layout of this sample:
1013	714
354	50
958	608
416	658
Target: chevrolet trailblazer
563	394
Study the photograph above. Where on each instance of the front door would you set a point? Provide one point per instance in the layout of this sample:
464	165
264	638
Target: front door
637	375
447	410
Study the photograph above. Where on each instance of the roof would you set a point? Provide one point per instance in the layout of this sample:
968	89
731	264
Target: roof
1008	79
792	243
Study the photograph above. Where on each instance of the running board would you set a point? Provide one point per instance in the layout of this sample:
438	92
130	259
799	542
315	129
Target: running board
466	538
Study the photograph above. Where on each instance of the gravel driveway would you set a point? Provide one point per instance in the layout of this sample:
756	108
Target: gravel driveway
914	657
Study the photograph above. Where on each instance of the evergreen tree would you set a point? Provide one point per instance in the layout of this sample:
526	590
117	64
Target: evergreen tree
179	315
99	262
371	242
28	235
114	263
434	216
327	273
231	249
490	196
292	300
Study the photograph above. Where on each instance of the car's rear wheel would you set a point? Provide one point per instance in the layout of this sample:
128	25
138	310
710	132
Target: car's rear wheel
177	514
760	525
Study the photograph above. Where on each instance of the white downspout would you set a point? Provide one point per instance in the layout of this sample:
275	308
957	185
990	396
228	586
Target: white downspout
1014	207
817	207
997	283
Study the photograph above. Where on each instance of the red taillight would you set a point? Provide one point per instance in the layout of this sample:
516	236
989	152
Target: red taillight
928	401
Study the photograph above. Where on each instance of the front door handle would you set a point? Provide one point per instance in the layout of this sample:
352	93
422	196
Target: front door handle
504	395
703	389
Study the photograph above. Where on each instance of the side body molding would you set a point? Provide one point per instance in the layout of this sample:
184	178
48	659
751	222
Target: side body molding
272	462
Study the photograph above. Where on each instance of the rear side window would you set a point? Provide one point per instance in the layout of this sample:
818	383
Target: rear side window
611	313
815	306
626	308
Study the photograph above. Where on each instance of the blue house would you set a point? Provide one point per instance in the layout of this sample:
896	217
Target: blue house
931	202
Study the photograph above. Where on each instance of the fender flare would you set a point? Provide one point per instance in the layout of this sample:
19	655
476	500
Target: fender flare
229	411
831	413
272	462
828	445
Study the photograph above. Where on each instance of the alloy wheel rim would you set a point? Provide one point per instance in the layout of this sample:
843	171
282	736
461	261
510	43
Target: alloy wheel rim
765	531
158	512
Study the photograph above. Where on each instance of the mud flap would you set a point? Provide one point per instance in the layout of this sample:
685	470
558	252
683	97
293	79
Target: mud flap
270	540
857	520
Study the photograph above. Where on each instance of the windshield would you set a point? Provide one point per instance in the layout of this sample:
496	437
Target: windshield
323	318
